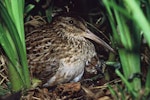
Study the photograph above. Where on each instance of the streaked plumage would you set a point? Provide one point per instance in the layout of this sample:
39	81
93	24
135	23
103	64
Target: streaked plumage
58	52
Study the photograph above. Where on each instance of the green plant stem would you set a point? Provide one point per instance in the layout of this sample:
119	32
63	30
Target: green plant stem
130	88
127	35
136	14
16	83
19	64
131	65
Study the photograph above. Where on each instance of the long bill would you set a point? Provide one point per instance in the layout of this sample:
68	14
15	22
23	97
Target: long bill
93	37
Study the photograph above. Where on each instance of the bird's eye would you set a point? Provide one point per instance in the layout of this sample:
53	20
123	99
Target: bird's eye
71	21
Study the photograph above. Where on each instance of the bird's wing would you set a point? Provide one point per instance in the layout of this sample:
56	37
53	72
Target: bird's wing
40	53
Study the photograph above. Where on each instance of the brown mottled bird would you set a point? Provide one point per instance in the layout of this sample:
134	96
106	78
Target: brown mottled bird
57	52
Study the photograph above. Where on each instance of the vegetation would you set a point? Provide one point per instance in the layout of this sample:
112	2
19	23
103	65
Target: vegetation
12	40
130	25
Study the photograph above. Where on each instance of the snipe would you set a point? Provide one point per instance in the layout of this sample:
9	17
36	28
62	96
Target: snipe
58	52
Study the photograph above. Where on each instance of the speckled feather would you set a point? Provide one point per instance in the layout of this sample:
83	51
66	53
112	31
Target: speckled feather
57	52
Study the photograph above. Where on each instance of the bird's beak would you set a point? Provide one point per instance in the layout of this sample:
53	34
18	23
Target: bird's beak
93	37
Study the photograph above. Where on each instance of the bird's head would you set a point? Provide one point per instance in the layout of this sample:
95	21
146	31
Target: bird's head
76	28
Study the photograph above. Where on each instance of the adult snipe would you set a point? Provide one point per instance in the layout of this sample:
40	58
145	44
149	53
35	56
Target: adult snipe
58	52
